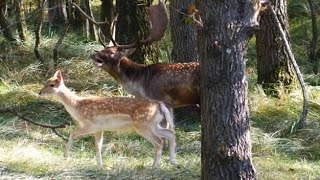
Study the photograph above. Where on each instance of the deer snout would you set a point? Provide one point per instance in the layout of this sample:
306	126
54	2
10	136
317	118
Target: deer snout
40	93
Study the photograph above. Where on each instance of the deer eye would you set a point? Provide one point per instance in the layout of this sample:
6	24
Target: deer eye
51	85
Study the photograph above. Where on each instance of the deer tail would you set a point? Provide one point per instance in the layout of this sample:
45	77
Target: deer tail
167	113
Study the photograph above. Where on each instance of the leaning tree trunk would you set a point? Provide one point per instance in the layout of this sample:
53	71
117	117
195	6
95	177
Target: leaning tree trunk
184	45
4	25
273	63
133	22
20	19
225	148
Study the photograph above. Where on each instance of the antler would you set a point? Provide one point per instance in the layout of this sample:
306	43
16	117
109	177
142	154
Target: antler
158	20
157	26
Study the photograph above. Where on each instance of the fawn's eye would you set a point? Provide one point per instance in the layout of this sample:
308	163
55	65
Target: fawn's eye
51	85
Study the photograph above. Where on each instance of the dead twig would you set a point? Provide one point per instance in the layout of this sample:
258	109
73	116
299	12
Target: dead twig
54	128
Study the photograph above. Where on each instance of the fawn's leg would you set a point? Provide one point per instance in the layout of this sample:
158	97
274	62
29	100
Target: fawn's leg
74	134
169	134
157	142
98	145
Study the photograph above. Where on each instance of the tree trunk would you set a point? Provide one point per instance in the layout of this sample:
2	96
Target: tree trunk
314	40
55	14
61	37
225	148
37	31
183	35
20	19
4	25
133	21
106	14
184	42
273	64
76	20
90	29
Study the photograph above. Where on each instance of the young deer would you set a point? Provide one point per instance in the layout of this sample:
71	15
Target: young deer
177	84
96	114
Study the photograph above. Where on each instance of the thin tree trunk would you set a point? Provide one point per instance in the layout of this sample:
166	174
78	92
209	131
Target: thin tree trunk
225	148
90	29
106	14
314	41
4	25
55	14
37	31
273	65
303	117
20	19
61	38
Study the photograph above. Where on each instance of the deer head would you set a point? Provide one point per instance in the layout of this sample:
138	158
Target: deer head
53	85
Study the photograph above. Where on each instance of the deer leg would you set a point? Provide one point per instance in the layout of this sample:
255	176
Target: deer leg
98	145
74	134
157	142
169	134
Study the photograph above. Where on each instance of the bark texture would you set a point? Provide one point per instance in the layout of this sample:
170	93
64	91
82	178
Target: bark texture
184	47
273	63
106	14
225	148
133	21
183	35
20	19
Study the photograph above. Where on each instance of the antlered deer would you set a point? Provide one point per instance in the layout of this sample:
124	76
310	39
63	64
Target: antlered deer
174	83
96	114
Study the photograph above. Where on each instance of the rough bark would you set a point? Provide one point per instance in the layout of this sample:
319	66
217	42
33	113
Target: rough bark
20	19
183	35
225	148
184	46
133	21
4	24
313	56
273	66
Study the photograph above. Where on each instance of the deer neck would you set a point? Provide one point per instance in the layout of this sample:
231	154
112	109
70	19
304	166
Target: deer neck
67	98
128	70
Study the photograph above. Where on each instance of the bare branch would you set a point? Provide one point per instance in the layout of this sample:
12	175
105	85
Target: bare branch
54	128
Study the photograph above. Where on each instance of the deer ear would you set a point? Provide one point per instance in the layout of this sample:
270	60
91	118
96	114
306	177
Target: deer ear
58	75
128	52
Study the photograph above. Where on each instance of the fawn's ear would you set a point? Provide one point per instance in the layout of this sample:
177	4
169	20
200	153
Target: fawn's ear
58	75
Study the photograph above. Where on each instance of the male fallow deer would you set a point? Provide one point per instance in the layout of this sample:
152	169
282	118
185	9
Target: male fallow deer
96	114
177	84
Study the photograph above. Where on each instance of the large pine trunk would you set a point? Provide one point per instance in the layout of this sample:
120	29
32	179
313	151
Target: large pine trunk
273	64
133	21
225	148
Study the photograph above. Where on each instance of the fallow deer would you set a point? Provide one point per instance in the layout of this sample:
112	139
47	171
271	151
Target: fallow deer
177	84
97	114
